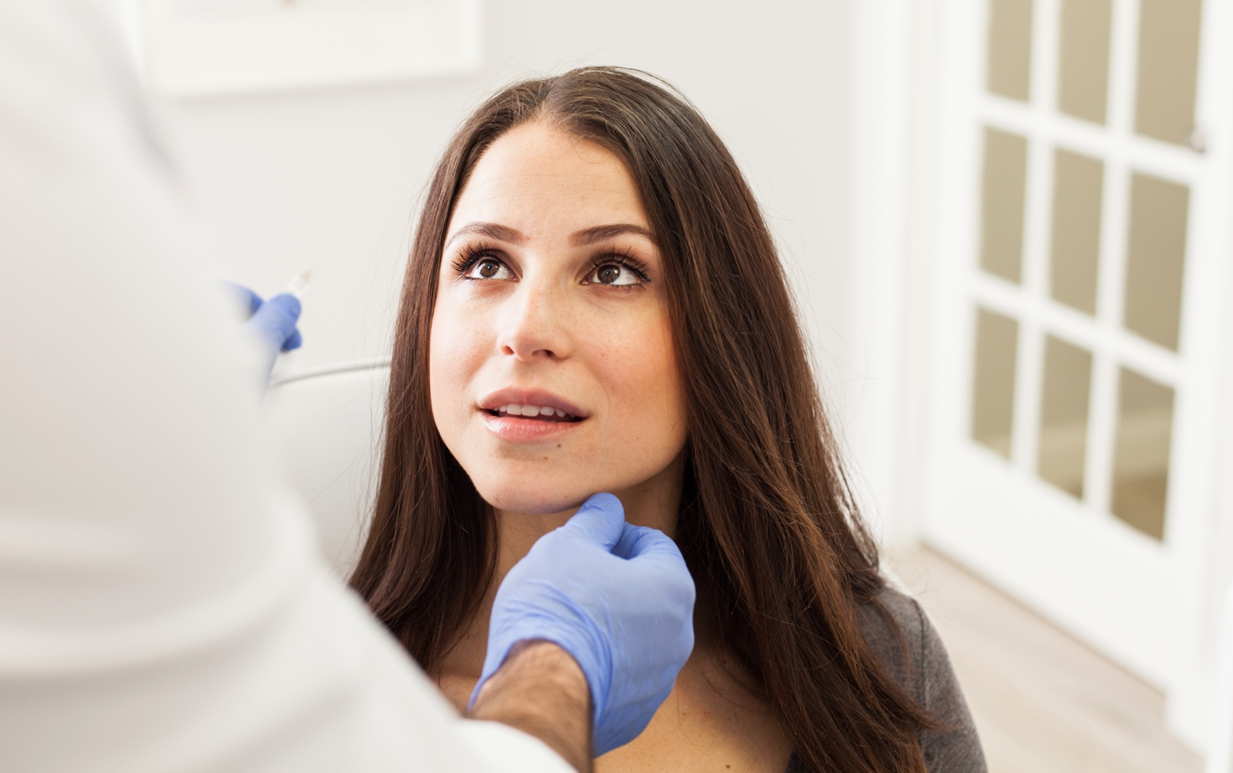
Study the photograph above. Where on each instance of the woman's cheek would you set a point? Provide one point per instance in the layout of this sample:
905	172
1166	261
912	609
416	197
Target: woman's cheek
450	360
643	380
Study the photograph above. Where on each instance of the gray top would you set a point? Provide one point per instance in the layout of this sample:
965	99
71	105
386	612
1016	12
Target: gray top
931	681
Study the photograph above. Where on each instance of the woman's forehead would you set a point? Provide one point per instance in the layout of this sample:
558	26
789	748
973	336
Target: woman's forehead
538	177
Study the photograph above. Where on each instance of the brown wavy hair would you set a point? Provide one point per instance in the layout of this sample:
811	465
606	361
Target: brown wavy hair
767	521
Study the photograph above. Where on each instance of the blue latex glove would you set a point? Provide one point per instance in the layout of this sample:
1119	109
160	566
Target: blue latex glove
618	598
272	323
274	320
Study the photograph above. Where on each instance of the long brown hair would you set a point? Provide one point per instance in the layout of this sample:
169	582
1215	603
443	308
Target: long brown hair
767	522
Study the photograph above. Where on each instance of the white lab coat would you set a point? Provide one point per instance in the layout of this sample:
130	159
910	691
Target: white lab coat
162	603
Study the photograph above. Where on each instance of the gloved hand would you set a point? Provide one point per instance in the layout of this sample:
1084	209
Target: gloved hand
618	598
271	322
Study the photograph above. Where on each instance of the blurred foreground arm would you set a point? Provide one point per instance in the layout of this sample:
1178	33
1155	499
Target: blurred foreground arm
163	606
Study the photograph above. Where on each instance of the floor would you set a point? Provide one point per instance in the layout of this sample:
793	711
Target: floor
1042	701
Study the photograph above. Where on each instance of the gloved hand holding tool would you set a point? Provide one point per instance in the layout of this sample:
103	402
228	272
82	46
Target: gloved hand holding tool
272	322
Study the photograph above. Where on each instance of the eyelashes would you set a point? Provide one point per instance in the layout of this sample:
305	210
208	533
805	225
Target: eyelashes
473	253
623	259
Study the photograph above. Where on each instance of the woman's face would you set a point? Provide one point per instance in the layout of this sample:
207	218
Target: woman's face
553	374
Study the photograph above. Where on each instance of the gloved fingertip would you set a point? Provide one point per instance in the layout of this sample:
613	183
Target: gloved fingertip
601	518
607	502
643	540
628	543
294	342
288	303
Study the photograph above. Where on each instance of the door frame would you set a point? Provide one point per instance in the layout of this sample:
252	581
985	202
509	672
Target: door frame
903	92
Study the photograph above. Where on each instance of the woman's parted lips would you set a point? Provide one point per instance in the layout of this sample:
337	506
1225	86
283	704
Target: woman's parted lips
531	403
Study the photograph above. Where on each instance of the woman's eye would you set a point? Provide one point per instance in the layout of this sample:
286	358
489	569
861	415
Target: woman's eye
613	274
489	268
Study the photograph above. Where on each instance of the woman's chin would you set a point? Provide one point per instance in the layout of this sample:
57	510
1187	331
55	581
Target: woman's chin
530	500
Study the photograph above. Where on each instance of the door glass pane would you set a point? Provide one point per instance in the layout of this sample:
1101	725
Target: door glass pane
1077	193
1002	200
1168	63
1063	415
1010	48
993	388
1155	260
1083	69
1141	454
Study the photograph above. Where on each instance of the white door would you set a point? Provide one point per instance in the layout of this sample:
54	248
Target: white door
1079	308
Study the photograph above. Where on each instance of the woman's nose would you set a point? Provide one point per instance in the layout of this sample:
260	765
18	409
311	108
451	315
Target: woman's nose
534	325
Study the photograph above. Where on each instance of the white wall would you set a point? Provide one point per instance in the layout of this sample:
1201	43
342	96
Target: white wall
328	180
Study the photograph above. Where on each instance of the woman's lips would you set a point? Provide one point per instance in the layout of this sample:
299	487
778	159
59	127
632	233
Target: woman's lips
520	429
529	415
516	401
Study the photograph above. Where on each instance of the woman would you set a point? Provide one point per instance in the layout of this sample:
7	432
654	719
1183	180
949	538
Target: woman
594	303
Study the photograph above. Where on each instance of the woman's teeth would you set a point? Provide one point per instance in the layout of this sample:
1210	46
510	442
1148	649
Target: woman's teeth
534	411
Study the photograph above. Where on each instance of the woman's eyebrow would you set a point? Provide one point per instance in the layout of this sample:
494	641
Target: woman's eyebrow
602	232
492	230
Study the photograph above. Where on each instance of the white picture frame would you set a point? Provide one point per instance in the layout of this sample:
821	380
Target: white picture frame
202	48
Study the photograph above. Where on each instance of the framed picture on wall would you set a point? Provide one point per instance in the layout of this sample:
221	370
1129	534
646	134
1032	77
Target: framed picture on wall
192	48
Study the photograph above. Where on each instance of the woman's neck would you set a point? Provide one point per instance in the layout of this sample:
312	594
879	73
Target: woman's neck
653	502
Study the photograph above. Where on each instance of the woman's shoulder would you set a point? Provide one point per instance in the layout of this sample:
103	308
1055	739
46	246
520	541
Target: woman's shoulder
912	652
900	635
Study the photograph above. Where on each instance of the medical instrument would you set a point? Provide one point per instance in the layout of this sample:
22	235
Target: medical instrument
297	284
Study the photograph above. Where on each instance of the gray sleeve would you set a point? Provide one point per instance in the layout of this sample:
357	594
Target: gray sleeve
955	748
917	661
